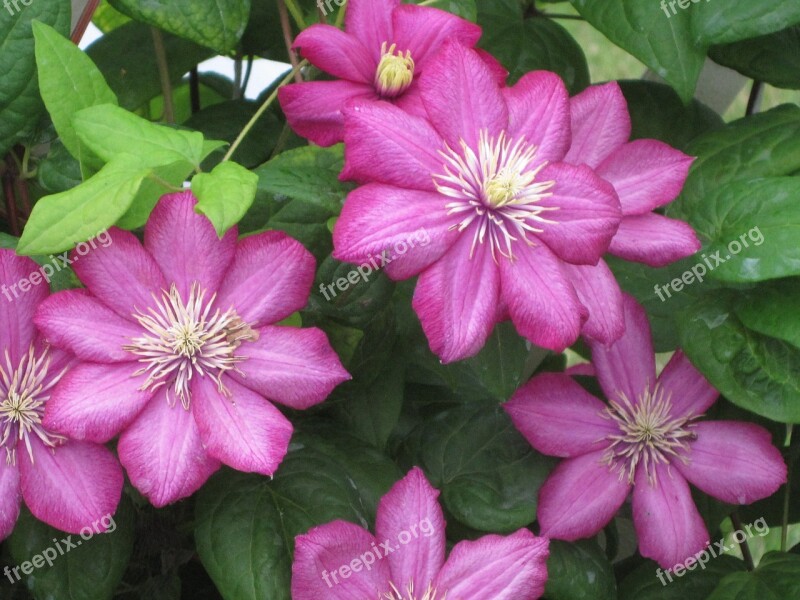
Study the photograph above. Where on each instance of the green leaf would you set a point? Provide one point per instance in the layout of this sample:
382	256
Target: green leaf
21	106
579	571
734	20
776	578
225	194
246	524
663	43
133	72
529	44
107	19
753	228
63	220
218	24
773	58
757	373
164	180
58	171
763	145
108	131
644	584
69	82
309	173
489	475
772	310
465	9
90	571
657	112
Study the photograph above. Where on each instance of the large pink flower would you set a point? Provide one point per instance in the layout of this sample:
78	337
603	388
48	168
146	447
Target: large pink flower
485	178
646	174
70	485
385	47
405	560
648	439
179	350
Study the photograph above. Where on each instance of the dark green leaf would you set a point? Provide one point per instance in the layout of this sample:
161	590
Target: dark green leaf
773	58
734	20
58	171
465	9
776	578
218	24
644	582
579	571
772	310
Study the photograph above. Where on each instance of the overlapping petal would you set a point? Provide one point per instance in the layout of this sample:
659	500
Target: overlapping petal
654	240
336	52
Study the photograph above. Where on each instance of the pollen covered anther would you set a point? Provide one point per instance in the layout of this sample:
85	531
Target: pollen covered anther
395	71
185	339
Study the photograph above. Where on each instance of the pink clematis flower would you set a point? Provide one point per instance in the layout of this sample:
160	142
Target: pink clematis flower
646	174
405	560
648	439
179	350
70	485
385	47
485	178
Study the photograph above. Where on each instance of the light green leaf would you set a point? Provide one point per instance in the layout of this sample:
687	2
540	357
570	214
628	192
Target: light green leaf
108	131
218	24
69	82
63	220
225	194
164	180
641	28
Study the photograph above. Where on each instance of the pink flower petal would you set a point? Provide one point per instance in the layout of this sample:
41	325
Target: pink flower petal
243	430
269	279
462	97
296	367
628	365
580	497
17	307
185	244
587	216
688	390
654	240
379	219
95	402
538	110
668	526
499	72
423	30
72	487
600	124
494	567
314	109
122	275
323	557
558	417
9	498
410	513
456	300
600	294
646	174
383	144
542	302
69	320
371	22
336	52
410	102
734	462
163	453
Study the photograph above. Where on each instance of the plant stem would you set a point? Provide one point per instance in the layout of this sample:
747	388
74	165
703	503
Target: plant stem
289	76
746	554
297	14
237	77
11	199
570	17
286	27
340	16
83	22
754	102
194	90
163	73
247	73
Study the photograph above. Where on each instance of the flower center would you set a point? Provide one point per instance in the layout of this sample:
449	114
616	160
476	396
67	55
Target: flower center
24	391
497	190
395	72
184	338
396	594
648	436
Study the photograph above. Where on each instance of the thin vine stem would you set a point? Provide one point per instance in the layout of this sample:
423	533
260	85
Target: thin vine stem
259	113
163	74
